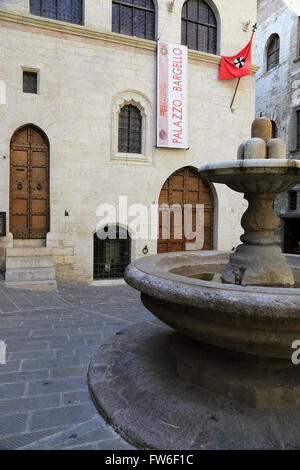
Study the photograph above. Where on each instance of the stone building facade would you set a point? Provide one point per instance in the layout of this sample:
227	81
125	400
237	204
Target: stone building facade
83	75
278	96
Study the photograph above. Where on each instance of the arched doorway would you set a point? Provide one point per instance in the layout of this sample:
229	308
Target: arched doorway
186	187
29	183
112	252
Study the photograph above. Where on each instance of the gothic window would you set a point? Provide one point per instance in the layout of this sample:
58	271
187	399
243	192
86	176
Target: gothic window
199	26
134	18
273	52
69	11
130	130
112	247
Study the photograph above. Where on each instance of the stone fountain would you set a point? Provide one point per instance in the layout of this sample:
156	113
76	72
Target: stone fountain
237	317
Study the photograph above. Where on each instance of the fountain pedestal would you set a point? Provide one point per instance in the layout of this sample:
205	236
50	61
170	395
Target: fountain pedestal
259	260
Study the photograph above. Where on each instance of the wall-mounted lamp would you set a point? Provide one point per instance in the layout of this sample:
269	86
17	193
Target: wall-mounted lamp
145	250
171	6
66	213
246	26
4	157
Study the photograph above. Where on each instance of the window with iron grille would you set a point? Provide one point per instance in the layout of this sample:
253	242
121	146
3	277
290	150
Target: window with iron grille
29	82
298	130
134	18
69	11
130	130
199	26
273	52
292	200
111	254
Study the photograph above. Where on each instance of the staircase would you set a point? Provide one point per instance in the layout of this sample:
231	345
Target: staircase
30	267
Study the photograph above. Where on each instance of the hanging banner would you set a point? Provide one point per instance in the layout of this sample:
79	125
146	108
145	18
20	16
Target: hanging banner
172	95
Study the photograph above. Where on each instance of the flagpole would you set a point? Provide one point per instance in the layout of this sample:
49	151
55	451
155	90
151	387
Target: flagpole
254	28
236	89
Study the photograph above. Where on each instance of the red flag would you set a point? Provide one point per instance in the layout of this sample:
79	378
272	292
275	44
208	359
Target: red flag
238	65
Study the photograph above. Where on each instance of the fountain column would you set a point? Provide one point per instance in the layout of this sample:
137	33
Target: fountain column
259	260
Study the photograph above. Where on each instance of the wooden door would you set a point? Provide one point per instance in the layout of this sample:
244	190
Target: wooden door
29	184
186	187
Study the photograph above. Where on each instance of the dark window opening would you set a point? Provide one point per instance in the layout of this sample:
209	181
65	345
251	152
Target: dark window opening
29	82
273	52
69	11
291	236
292	197
130	130
298	130
111	254
134	18
274	130
199	26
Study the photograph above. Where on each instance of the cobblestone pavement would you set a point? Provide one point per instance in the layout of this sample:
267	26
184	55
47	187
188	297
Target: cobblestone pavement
50	338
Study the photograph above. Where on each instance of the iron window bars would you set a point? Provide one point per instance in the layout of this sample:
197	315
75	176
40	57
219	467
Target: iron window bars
130	130
112	255
69	11
134	18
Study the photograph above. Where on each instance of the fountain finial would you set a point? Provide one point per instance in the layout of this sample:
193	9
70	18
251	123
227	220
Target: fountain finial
262	145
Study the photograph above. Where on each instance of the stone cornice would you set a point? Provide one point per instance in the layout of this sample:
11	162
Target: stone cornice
82	31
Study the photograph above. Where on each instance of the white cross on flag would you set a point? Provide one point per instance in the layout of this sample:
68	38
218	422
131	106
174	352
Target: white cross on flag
240	62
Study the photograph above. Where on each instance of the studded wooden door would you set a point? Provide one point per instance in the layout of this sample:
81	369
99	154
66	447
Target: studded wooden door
29	184
186	187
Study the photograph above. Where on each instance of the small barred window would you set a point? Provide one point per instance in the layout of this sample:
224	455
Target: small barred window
130	130
29	82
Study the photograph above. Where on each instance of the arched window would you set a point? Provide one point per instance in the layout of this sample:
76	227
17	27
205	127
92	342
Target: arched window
134	18
273	52
69	11
130	130
199	26
112	247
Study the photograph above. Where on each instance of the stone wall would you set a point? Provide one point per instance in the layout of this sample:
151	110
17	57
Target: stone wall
81	76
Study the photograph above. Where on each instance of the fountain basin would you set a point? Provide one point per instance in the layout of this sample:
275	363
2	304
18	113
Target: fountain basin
254	176
252	321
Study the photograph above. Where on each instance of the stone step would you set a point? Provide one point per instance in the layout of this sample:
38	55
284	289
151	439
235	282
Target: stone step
28	251
15	262
30	243
30	274
32	285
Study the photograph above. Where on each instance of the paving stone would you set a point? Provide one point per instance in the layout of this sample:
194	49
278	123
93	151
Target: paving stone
29	403
49	363
26	346
23	376
12	424
20	440
57	385
74	398
62	416
12	390
68	372
31	354
10	366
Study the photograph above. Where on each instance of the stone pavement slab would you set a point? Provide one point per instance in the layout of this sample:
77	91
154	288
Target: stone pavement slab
50	338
